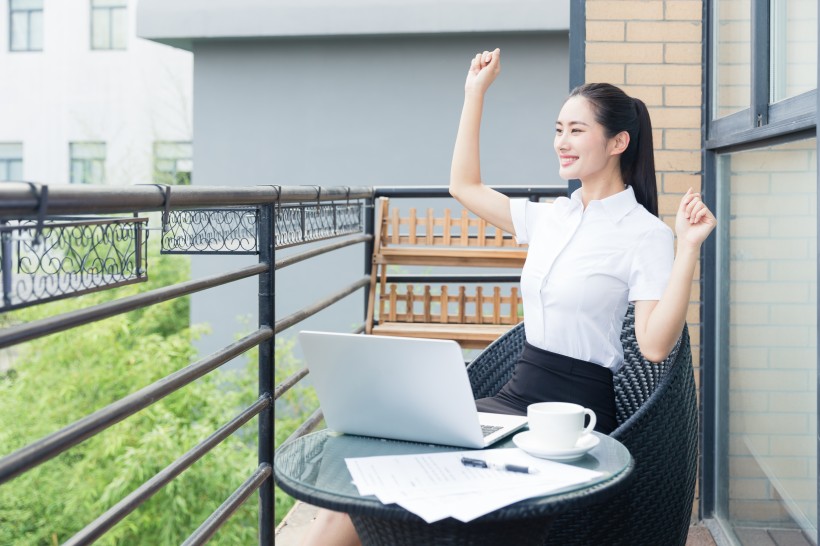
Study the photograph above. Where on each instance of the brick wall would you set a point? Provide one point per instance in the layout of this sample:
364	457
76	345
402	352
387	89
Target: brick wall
653	50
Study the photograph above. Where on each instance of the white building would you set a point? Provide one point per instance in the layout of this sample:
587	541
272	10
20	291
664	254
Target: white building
84	100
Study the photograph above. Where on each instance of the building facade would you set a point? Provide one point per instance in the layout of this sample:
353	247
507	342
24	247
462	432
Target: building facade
85	101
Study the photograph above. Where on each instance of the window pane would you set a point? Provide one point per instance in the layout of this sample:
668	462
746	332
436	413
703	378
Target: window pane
11	151
26	4
172	150
732	63
19	31
35	40
119	28
87	150
100	29
768	252
108	3
97	172
172	162
165	165
185	165
15	170
77	174
793	48
4	171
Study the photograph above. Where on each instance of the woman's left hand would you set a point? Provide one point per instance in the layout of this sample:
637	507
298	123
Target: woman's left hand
694	221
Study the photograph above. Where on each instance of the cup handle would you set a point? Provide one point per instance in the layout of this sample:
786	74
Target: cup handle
592	421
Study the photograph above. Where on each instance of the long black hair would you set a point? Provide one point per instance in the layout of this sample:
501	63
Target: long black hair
617	112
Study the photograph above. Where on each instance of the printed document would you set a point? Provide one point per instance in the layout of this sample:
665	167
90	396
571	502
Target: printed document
435	486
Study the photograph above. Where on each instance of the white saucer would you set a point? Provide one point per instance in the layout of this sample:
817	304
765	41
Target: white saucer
526	441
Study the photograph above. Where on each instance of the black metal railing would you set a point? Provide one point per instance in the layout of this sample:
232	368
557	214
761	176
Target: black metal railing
208	220
52	236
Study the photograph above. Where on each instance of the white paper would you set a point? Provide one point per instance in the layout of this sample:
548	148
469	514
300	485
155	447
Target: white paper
437	485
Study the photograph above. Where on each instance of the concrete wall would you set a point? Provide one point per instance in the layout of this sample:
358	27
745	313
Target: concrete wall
360	111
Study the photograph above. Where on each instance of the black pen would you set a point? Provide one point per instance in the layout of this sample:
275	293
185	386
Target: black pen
479	463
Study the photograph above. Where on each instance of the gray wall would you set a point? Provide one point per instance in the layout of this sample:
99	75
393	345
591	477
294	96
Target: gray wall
359	112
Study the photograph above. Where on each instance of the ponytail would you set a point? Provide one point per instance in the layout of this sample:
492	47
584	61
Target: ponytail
639	172
617	112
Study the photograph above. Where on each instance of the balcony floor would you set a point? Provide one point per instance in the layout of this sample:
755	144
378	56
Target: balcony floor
295	525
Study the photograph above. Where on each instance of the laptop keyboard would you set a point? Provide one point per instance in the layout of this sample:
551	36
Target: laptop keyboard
486	430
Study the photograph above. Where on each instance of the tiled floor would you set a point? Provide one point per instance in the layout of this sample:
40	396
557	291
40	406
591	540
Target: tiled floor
291	530
771	537
699	536
294	526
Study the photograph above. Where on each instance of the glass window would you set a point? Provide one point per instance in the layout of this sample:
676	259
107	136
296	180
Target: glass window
109	24
87	162
26	25
172	163
732	62
793	48
767	343
11	161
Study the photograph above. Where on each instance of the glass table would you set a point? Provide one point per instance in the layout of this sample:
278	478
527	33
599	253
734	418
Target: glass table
312	469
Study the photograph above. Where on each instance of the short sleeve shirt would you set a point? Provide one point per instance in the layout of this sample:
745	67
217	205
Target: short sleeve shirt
584	266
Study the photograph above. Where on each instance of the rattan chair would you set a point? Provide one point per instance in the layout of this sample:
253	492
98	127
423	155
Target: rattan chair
657	416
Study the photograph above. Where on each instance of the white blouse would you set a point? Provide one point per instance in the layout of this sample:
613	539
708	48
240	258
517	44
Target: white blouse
584	266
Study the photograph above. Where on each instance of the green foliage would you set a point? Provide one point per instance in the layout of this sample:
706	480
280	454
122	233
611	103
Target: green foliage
291	410
63	377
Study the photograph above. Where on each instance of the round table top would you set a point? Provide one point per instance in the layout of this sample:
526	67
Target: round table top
312	469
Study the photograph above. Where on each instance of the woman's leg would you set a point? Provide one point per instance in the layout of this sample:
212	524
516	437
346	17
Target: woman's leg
331	529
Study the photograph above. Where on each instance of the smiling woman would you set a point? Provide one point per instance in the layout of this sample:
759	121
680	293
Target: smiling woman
606	235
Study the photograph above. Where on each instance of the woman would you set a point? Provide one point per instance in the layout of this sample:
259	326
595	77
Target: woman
588	256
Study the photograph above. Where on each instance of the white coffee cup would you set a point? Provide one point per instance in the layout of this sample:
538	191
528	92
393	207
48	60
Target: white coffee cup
559	425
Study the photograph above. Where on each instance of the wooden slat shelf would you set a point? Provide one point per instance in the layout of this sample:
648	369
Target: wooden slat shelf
471	313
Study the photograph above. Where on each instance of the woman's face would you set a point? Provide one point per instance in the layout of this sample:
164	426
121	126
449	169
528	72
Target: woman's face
581	143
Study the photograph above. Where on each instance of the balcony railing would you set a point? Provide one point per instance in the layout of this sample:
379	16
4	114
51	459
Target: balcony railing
59	242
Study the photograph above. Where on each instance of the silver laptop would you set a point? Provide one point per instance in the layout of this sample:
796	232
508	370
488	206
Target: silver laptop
401	388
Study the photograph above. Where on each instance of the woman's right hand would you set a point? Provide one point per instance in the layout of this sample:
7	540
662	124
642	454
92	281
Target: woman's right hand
465	172
483	70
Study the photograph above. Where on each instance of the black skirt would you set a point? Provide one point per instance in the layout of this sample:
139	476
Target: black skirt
544	376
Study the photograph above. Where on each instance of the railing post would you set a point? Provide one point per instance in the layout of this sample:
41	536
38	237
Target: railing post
266	352
369	228
5	241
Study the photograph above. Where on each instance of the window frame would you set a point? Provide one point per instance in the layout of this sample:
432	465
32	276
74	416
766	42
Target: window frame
156	158
8	161
763	119
761	125
86	161
28	12
109	10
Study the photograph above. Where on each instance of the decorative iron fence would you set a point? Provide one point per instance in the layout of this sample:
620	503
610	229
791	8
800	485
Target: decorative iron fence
46	255
45	261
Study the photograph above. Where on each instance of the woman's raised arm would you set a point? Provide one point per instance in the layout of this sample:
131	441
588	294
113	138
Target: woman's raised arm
465	172
658	324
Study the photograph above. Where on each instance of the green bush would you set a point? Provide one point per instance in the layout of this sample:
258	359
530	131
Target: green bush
60	378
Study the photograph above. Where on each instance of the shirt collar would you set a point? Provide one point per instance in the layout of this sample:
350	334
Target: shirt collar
615	206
